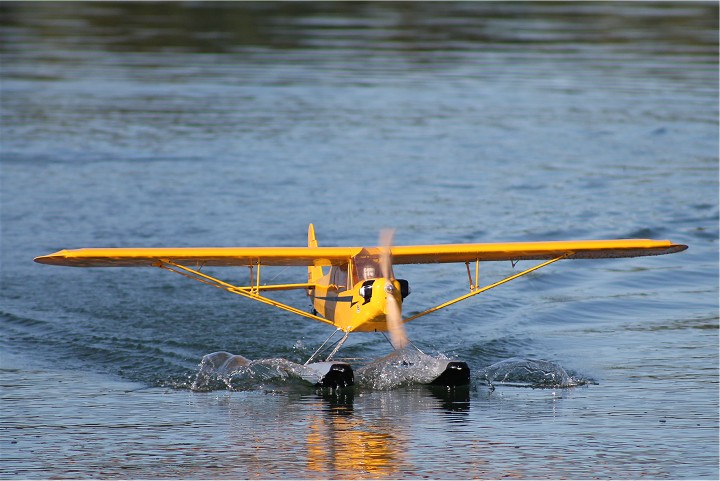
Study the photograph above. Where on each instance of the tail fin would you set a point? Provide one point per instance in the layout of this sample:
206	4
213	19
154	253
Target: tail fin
314	272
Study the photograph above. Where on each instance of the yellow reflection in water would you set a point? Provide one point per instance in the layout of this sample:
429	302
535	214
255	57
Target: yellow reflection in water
347	446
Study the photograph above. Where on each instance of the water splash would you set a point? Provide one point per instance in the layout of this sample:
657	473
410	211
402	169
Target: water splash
403	367
529	373
225	371
222	370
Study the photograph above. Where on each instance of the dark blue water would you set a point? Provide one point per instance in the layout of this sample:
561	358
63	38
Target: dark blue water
240	123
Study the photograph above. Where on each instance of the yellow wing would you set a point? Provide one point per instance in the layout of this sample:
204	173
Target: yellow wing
516	251
325	256
210	256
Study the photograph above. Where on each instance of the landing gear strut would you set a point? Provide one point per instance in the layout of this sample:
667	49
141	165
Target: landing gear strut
334	375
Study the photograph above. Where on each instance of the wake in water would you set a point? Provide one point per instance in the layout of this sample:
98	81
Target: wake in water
529	373
222	370
403	367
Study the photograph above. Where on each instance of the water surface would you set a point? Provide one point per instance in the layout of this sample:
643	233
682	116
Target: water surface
240	123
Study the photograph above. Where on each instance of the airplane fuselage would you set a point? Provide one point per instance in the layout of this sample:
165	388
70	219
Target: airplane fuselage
354	305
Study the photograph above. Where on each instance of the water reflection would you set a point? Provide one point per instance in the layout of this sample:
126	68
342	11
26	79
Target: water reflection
349	448
451	400
414	28
348	445
374	438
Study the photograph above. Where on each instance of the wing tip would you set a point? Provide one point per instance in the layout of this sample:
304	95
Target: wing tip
674	248
54	259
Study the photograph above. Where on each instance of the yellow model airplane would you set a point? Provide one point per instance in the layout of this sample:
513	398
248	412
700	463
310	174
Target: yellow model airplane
359	292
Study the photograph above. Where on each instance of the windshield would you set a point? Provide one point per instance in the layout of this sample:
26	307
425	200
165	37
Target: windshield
367	268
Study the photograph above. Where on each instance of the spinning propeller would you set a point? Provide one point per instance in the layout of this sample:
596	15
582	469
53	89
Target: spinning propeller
393	313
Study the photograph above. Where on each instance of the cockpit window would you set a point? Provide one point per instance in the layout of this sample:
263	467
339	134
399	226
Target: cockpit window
339	276
367	268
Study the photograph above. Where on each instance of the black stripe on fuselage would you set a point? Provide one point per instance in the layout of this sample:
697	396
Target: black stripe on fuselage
335	299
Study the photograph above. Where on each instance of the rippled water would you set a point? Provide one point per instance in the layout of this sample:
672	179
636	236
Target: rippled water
240	123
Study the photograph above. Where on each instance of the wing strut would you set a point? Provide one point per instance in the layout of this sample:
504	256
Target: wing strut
474	290
251	292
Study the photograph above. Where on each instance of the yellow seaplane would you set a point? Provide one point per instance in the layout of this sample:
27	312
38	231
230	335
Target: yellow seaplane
354	289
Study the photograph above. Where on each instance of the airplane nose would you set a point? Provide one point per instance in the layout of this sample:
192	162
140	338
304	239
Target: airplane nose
392	288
